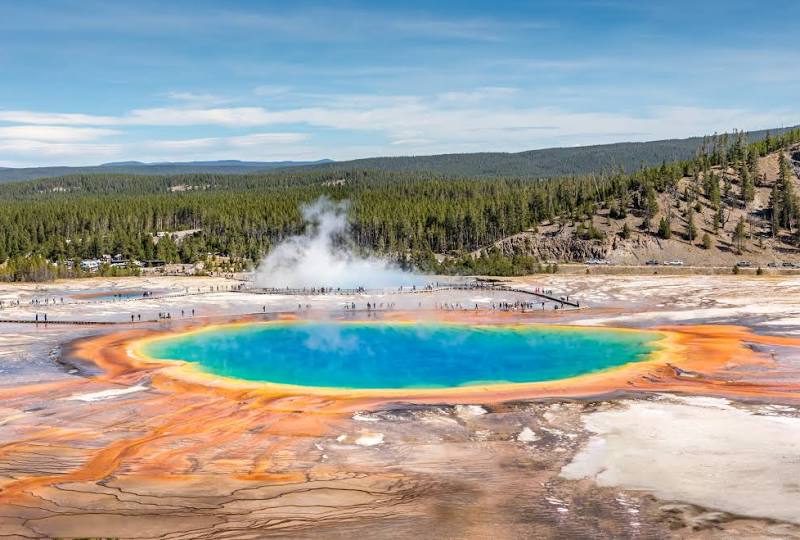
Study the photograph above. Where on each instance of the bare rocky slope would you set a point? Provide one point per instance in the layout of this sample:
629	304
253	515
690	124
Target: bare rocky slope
559	241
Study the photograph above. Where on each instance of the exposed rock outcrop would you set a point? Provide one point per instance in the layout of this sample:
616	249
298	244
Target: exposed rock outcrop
554	247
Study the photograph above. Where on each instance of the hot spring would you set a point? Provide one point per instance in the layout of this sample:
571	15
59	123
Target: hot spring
392	355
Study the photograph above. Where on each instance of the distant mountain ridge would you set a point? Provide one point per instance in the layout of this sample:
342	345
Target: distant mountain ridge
8	174
545	163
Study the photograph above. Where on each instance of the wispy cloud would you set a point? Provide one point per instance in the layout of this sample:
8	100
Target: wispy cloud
54	134
480	120
311	23
271	90
157	116
481	29
46	118
221	116
29	153
198	99
254	146
225	143
486	93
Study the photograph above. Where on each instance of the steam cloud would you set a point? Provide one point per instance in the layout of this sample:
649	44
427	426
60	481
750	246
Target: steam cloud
323	256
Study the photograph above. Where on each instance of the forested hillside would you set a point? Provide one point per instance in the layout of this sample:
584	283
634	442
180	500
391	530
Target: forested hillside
545	163
740	209
423	220
10	174
552	162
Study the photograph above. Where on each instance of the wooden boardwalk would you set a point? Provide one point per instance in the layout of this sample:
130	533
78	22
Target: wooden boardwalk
301	292
409	290
540	295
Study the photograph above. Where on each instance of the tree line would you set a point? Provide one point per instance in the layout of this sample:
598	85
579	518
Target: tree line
408	216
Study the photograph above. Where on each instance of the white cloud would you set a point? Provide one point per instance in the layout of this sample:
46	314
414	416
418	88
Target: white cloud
44	118
198	100
271	90
158	116
56	134
477	29
255	147
24	153
222	143
220	116
306	23
415	142
486	119
511	128
485	93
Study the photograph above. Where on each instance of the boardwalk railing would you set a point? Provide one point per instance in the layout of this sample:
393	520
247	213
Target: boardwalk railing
549	297
408	290
477	286
313	291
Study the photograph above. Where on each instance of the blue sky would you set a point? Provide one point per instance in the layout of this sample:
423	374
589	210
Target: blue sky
86	82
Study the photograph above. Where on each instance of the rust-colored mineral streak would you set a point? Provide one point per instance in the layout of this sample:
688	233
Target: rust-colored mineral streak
203	451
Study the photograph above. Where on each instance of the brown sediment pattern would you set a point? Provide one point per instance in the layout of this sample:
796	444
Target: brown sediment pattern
202	452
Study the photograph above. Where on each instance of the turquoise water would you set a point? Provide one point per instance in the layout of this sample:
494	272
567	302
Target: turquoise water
396	355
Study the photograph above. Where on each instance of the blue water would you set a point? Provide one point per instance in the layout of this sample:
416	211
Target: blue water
397	355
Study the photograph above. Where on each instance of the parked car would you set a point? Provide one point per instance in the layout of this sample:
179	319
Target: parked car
772	265
673	263
652	262
744	264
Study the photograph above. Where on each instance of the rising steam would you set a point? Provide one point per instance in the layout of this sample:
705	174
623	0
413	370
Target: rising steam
323	256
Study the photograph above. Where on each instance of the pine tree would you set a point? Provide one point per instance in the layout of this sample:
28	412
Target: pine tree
650	206
788	206
752	163
740	234
719	219
748	191
712	191
691	228
774	210
664	229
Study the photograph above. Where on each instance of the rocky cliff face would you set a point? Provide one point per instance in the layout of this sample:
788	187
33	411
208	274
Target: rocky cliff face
556	248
